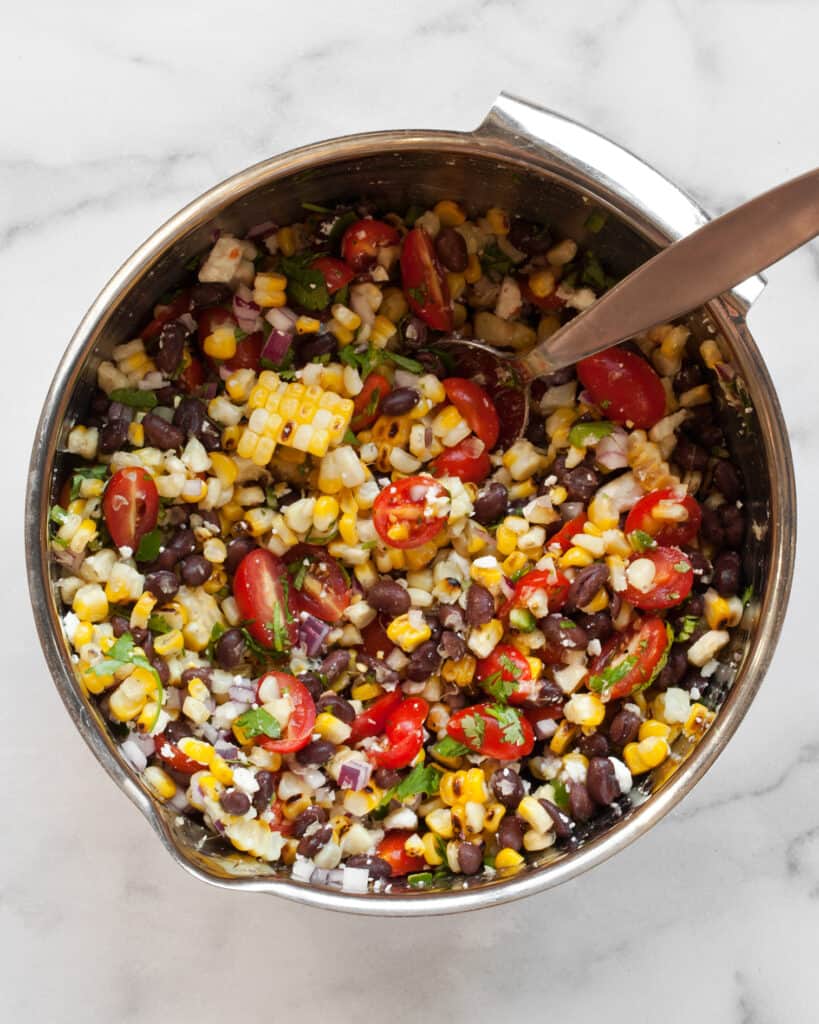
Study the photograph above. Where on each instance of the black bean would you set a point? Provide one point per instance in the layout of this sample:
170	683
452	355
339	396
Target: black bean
689	455
699	563
113	436
598	625
100	403
189	415
378	868
585	585
400	401
386	778
310	845
601	781
563	632
338	706
160	666
163	584
414	332
451	249
200	672
177	515
695	605
528	237
451	645
177	730
727	570
195	570
389	597
727	480
181	544
673	670
581	805
580	482
165	396
236	551
120	625
624	728
480	605
711	528
733	525
210	435
564	826
336	663
377	667
692	680
423	662
451	617
510	833
169	348
161	434
549	694
143	639
309	817
688	376
210	293
491	503
316	753
431	362
230	649
470	858
593	745
235	801
266	781
313	346
507	786
536	432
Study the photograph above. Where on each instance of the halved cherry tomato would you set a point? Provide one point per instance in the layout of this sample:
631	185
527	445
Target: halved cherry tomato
335	272
673	579
563	538
375	641
480	730
404	734
166	312
130	506
192	376
664	529
549	303
468	460
507	676
368	401
302	717
628	661
277	822
323	590
425	286
248	353
207	320
391	849
403	515
174	758
363	239
476	407
624	386
373	720
552	581
260	597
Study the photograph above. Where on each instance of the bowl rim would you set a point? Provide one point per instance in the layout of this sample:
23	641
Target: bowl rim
625	176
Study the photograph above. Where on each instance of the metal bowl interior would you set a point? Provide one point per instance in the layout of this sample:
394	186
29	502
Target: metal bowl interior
502	164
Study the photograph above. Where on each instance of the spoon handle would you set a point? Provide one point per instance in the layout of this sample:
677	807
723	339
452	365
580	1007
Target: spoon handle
688	273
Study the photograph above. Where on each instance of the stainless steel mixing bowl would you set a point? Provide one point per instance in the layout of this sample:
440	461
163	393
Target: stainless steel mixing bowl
539	164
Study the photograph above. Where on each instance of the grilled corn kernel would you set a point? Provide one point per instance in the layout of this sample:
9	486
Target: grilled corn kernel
449	213
331	728
431	853
409	631
440	822
562	739
468	818
534	813
141	612
493	817
221	344
513	563
651	727
698	720
508	858
224	467
542	283
159	782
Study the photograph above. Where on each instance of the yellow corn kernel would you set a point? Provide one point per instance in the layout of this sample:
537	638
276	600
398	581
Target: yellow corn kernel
508	858
92	681
224	467
506	539
348	528
331	728
366	691
652	727
493	817
513	563
698	720
634	763
431	854
231	437
239	384
169	643
286	241
473	271
293	808
717	611
487	575
417	558
601	513
653	750
457	285
597	603
498	221
83	634
221	344
558	494
221	769
585	709
128	700
461	671
409	631
535	814
141	612
394	306
542	283
307	325
197	750
522	489
414	845
346	317
198	690
381	331
468	818
475	786
576	557
562	739
343	335
449	213
325	513
91	603
136	434
159	782
439	821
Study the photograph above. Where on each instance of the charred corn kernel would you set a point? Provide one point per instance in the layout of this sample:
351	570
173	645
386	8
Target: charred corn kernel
460	672
224	467
136	434
331	728
447	420
563	737
409	631
720	612
169	643
468	818
83	634
414	845
601	512
307	325
394	306
486	572
293	808
498	221
542	283
176	613
159	782
576	557
348	528
239	384
230	438
493	817
449	213
651	727
440	822
558	494
210	786
534	813
196	636
698	720
325	513
221	344
141	611
286	241
361	801
431	852
84	534
259	520
508	858
91	603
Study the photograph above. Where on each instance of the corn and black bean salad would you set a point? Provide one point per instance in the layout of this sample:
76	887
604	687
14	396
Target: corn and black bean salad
334	611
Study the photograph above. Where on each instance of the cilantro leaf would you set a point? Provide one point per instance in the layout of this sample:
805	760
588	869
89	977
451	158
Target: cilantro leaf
411	365
474	728
641	541
509	721
125	652
424	778
134	397
595	221
86	473
594	275
494	261
606	679
305	285
149	545
258	722
686	630
561	793
449	747
159	624
498	687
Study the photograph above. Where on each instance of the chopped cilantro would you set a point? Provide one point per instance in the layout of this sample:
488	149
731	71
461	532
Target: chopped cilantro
258	722
474	728
494	261
412	215
606	679
641	541
498	687
561	793
350	438
299	570
305	285
315	208
134	397
448	747
125	652
420	879
686	630
149	545
594	275
418	295
424	778
86	473
159	624
57	515
411	365
509	721
364	361
583	434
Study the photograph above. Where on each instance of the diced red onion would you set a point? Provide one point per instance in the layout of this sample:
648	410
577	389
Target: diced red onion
71	560
610	452
179	801
133	755
277	346
219	825
246	311
545	728
312	634
506	587
267	227
327	876
208	391
118	411
242	692
226	750
354	774
281	318
144	741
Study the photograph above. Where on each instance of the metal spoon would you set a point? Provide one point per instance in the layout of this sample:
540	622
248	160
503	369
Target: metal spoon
682	277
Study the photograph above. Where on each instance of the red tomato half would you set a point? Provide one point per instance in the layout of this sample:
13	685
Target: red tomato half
130	506
663	528
476	407
259	592
192	376
628	661
174	758
563	538
554	583
402	516
479	729
335	272
375	641
163	314
368	401
424	283
248	353
302	717
673	579
404	734
391	849
468	460
363	239
323	590
214	316
373	720
624	386
507	676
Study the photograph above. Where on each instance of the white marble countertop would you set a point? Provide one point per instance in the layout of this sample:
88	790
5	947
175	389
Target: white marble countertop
116	115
